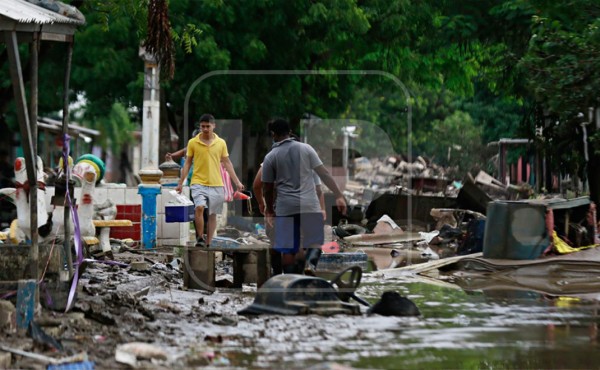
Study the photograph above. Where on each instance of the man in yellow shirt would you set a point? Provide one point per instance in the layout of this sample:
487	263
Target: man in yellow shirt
207	151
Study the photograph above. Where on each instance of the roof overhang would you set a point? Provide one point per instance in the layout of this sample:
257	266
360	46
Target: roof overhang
26	18
74	129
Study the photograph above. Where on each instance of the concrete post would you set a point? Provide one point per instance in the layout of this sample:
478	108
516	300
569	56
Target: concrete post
149	193
151	112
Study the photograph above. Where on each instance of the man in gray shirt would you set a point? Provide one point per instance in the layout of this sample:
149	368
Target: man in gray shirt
288	167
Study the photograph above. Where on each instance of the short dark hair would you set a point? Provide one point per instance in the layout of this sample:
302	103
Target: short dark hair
280	127
207	118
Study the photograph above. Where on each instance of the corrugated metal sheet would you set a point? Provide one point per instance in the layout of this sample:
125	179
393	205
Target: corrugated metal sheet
25	12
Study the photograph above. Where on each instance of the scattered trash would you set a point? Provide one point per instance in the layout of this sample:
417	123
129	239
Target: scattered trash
81	365
429	236
78	358
129	353
344	229
334	262
405	257
292	294
393	304
385	225
430	255
39	336
331	247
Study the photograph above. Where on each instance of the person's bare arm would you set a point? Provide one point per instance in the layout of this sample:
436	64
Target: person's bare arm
330	182
269	194
229	167
321	197
184	172
177	154
257	186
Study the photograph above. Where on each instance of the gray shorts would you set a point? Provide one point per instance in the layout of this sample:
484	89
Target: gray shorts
212	197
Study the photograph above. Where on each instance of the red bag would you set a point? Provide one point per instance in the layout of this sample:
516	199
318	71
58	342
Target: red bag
227	184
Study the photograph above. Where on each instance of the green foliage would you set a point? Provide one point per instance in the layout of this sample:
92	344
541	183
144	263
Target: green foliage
563	75
455	142
476	70
563	62
109	12
188	38
499	116
441	126
116	128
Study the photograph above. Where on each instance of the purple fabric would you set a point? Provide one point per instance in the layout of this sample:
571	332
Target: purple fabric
77	231
9	294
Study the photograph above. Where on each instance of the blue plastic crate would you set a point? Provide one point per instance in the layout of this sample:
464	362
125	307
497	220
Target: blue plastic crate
179	213
334	262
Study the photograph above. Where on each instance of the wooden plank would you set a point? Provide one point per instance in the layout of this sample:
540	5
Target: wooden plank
16	73
48	36
424	267
243	248
238	268
263	267
55	29
112	223
199	271
90	240
396	236
33	114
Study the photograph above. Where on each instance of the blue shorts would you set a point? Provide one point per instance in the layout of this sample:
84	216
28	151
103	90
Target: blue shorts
288	230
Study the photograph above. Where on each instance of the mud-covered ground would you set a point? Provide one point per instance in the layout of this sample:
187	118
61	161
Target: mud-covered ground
145	318
117	305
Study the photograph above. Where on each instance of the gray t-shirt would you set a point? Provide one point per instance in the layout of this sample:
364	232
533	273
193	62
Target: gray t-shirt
289	165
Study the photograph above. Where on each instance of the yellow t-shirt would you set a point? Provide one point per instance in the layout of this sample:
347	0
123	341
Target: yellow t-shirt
207	160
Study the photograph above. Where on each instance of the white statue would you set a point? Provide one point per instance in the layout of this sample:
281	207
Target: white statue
85	210
20	197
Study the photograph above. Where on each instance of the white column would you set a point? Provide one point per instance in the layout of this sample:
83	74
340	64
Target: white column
150	113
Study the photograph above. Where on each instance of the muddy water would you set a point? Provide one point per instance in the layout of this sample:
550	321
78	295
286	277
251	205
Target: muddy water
499	329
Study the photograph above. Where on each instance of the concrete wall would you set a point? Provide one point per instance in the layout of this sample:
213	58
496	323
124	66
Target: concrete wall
129	207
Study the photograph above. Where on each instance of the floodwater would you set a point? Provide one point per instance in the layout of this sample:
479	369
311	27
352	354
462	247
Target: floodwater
496	329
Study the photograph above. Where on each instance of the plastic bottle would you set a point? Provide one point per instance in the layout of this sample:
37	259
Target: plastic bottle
259	229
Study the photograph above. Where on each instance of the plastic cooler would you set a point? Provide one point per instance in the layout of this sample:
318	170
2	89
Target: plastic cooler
179	213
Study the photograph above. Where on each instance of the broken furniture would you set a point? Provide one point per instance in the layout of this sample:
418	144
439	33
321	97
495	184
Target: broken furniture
199	271
407	209
15	266
519	229
471	196
334	262
292	294
104	226
428	184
